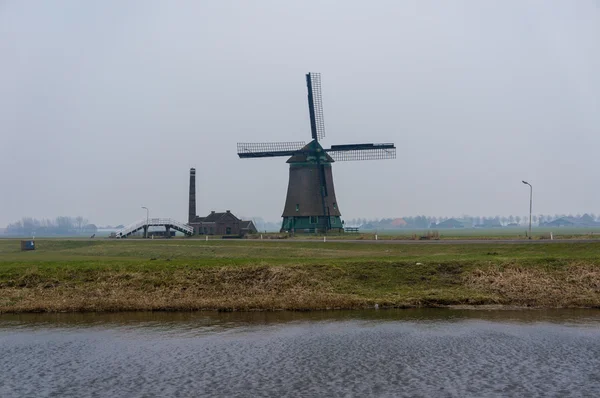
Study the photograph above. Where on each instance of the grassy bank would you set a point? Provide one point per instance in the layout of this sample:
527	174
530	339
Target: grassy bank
108	275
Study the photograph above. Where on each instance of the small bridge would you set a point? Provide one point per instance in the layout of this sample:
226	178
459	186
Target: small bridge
167	223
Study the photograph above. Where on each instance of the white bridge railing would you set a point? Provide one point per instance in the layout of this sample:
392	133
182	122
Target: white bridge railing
155	222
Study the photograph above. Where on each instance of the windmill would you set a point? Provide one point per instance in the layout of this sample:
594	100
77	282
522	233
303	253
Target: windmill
311	204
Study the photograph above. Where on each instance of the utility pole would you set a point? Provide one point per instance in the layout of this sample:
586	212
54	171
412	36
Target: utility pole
147	219
530	204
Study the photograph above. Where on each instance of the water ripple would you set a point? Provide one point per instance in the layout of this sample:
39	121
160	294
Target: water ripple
199	356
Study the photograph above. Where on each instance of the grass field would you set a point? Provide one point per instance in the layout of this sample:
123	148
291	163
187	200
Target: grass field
179	274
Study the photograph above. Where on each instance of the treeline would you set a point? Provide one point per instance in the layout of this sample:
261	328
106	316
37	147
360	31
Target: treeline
28	226
472	221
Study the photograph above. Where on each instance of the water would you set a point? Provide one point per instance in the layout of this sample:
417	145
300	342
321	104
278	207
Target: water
413	353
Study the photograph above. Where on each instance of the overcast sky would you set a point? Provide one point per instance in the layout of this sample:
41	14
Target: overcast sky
104	106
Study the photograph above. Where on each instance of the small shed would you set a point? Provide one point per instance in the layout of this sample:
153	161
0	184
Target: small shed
27	245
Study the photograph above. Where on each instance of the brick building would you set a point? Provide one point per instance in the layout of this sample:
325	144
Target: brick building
221	224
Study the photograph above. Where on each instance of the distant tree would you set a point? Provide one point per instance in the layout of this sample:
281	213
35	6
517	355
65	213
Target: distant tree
511	219
79	223
90	229
15	228
64	225
422	222
59	226
518	219
384	223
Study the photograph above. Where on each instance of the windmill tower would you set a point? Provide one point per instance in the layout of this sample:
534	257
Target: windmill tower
311	204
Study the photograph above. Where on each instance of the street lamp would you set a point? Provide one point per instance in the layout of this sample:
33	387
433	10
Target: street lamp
530	204
147	217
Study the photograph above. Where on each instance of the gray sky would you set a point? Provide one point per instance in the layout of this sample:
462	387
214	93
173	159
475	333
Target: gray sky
104	106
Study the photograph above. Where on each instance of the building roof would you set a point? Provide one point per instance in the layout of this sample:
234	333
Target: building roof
450	223
247	225
584	221
399	222
214	216
310	149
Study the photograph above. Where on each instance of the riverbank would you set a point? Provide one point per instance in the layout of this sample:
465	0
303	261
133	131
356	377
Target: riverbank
186	275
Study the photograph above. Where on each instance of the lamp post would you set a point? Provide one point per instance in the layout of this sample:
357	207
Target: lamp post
147	218
530	204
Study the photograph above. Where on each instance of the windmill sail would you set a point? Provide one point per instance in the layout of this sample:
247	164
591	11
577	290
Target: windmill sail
362	152
315	105
268	149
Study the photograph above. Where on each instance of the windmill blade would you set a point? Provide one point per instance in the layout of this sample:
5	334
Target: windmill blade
268	149
315	105
349	152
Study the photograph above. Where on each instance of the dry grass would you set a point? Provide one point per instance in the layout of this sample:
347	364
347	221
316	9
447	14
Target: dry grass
224	288
576	285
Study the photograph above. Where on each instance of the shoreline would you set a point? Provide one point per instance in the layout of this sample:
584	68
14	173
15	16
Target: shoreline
451	307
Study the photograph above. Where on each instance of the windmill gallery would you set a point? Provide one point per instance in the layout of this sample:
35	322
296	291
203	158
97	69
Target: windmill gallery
311	205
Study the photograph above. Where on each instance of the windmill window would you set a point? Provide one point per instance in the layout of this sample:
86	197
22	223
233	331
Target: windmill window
334	206
297	207
313	220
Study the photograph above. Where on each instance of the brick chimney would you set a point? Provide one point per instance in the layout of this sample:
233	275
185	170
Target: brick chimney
192	204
